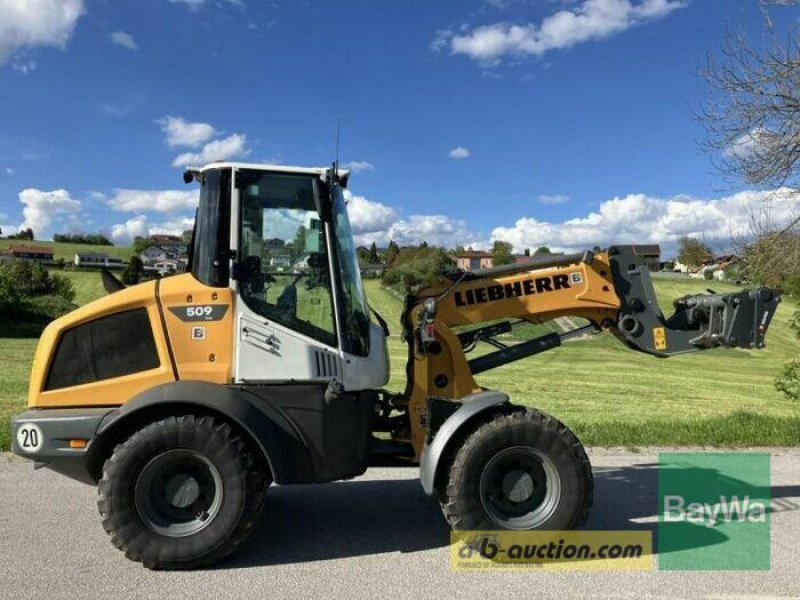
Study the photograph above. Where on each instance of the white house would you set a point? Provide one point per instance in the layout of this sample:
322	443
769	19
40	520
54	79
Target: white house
679	267
98	259
153	254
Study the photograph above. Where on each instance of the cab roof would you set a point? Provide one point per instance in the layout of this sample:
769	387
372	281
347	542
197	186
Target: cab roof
320	171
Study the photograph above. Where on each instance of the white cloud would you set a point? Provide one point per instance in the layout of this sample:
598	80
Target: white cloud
140	226
26	24
638	218
174	226
123	233
459	152
233	146
589	21
359	166
126	200
755	141
367	216
41	208
121	38
24	65
112	109
552	199
376	222
181	132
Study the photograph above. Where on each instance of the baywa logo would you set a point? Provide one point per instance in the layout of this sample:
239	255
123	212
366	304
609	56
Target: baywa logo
714	511
727	510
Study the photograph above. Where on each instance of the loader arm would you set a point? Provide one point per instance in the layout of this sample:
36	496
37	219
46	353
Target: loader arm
611	289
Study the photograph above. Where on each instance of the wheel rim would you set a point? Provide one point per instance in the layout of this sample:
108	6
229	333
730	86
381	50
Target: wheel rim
178	493
520	488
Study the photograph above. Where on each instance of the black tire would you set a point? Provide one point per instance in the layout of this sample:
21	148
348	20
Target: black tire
500	477
164	486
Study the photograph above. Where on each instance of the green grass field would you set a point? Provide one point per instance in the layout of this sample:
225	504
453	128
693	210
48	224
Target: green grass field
67	251
607	393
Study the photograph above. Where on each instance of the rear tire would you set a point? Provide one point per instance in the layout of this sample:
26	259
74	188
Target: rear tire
181	493
522	470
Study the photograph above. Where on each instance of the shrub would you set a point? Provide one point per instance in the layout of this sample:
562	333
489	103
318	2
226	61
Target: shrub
416	267
788	381
26	288
49	307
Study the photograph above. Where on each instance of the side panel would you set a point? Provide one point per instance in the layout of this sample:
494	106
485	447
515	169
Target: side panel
336	430
103	392
199	322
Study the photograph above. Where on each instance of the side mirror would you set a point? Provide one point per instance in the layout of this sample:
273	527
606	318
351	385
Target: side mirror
322	199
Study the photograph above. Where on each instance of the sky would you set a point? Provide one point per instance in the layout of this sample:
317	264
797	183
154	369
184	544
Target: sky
566	123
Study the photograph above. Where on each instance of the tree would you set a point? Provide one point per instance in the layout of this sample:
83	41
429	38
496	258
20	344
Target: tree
542	250
392	252
416	268
186	236
501	253
752	122
527	252
140	243
133	272
24	234
693	252
374	259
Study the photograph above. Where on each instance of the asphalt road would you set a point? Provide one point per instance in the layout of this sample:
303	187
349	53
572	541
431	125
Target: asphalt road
375	537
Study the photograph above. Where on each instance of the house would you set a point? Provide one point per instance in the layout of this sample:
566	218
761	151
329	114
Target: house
679	267
40	254
650	255
280	261
171	244
717	268
521	259
98	259
153	254
165	267
473	260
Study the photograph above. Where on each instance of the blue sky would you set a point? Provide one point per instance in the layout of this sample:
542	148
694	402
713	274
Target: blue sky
559	122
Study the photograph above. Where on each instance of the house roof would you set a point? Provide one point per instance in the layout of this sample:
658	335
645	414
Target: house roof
473	254
31	250
647	250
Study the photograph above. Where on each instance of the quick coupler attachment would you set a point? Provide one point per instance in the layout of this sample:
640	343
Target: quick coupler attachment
738	320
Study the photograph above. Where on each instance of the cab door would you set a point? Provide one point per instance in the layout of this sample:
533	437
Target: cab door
287	348
286	314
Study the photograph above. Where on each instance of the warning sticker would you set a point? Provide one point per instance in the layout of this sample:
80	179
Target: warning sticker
660	338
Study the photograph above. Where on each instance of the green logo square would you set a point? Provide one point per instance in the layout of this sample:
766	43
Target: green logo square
714	511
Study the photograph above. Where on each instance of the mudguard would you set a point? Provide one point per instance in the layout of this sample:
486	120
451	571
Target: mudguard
432	452
279	440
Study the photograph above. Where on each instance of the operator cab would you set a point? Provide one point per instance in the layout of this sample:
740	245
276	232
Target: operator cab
280	237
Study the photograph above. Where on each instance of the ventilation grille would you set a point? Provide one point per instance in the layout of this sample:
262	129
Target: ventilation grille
326	364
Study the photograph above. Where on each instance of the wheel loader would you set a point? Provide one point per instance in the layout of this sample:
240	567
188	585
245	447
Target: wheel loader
184	398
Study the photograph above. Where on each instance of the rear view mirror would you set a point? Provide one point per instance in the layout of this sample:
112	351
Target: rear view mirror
322	199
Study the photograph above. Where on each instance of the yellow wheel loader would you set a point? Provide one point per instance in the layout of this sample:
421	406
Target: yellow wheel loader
184	398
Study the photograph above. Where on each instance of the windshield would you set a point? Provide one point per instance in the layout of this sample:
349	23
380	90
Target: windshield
355	312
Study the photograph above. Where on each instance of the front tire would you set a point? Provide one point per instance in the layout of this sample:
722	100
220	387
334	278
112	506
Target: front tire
181	493
522	470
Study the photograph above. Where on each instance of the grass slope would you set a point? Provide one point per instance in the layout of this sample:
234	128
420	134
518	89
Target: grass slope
607	393
611	395
67	251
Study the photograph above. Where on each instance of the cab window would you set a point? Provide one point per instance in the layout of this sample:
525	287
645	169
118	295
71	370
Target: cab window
284	272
